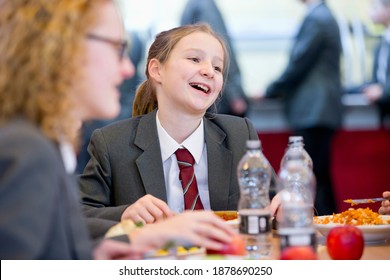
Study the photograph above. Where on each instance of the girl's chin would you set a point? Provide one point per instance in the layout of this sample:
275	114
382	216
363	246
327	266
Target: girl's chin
202	106
112	114
108	113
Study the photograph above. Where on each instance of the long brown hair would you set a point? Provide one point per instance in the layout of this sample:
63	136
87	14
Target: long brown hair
145	99
41	50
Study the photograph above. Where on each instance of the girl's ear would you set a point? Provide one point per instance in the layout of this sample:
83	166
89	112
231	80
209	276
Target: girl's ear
154	70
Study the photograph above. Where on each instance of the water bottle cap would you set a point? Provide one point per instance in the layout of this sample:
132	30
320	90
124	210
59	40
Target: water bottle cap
295	139
253	144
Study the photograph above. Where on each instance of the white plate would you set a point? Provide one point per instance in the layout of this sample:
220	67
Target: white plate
372	233
173	254
234	222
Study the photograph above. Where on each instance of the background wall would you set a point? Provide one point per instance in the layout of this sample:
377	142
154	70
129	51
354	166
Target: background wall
262	32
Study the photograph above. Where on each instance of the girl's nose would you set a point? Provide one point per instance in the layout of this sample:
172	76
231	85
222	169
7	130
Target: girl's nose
127	68
207	70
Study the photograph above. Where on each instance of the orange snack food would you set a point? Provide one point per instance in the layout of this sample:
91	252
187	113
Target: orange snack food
350	202
227	215
357	217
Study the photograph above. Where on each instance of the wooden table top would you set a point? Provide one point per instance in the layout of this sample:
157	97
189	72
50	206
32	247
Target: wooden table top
380	251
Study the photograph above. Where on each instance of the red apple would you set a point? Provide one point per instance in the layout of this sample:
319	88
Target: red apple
236	247
345	243
298	253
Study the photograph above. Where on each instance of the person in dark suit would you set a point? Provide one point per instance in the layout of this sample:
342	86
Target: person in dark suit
378	90
66	75
311	90
233	100
133	171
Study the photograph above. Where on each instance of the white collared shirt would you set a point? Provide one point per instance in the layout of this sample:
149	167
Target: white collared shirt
68	156
195	144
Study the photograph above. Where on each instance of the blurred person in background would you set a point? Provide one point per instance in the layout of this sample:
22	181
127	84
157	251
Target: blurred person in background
62	62
378	90
127	90
233	100
310	89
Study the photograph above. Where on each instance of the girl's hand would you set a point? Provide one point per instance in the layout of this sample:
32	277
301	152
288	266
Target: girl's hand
385	206
199	228
148	209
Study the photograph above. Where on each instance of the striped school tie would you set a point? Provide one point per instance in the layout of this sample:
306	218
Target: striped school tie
188	180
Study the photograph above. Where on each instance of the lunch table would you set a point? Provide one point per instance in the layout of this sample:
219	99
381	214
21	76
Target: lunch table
376	251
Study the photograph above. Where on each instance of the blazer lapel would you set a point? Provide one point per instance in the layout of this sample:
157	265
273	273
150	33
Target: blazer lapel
219	172
149	163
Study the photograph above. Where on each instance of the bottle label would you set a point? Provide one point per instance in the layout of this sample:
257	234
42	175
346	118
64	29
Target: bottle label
291	240
255	224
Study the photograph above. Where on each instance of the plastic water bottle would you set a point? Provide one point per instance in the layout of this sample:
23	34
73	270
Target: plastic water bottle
296	143
297	191
254	175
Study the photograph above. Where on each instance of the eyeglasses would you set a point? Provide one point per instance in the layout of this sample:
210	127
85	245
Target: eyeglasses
121	45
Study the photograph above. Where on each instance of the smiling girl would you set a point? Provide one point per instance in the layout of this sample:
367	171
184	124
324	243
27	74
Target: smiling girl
133	171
